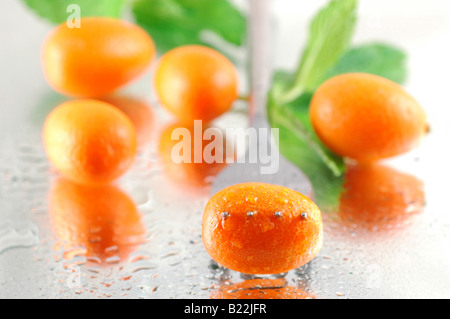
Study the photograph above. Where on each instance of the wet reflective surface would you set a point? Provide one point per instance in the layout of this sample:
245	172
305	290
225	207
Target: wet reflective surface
141	238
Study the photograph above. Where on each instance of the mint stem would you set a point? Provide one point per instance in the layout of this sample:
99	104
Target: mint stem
295	126
292	94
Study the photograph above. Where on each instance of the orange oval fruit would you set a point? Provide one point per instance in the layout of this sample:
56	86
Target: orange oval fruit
196	83
377	197
366	117
98	222
97	58
257	228
89	142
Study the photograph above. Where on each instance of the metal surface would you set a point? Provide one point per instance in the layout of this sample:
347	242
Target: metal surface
410	260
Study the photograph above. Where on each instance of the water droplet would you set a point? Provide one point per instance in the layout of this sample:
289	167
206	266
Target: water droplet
107	284
278	214
19	236
225	216
304	215
94	259
144	266
94	270
138	257
171	254
209	180
74	252
251	214
113	260
77	261
251	199
112	250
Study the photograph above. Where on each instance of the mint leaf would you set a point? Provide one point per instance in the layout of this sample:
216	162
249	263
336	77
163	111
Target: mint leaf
300	145
376	58
295	118
173	23
55	11
330	34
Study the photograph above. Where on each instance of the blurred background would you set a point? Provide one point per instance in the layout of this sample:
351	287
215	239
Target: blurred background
412	260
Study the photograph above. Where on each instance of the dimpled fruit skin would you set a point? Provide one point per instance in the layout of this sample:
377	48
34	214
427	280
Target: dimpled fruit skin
366	117
262	243
196	83
97	58
89	142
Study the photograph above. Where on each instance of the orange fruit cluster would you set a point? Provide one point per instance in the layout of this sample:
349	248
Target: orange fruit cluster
90	142
93	139
253	228
257	228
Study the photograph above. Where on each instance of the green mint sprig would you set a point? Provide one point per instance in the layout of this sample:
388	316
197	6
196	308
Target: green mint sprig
180	22
375	58
329	36
327	54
